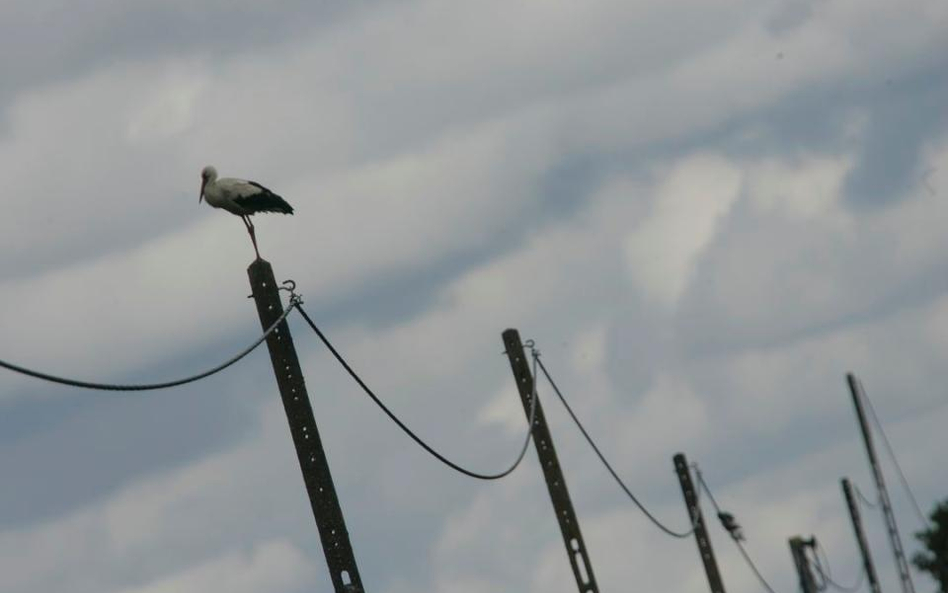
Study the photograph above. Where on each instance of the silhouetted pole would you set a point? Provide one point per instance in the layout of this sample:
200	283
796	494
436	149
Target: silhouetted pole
855	388
690	494
309	448
860	536
797	549
555	482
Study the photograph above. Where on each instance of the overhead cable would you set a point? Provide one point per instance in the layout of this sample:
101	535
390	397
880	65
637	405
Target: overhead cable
409	432
148	386
602	458
895	461
736	537
863	498
822	565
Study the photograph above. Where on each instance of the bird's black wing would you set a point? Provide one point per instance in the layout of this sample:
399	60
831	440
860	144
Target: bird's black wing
263	201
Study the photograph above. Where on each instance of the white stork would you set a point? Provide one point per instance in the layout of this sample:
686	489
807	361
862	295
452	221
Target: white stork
240	197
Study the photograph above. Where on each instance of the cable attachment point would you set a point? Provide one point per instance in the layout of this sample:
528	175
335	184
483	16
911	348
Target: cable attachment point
531	344
290	287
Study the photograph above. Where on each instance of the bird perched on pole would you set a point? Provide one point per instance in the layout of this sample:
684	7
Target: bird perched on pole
240	197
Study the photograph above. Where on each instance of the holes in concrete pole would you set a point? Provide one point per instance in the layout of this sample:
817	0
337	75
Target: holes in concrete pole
581	565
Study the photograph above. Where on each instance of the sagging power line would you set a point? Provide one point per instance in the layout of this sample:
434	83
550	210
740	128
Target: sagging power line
608	466
149	386
823	569
733	529
434	453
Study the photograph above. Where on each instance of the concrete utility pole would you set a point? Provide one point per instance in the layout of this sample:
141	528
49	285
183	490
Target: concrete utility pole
690	493
555	482
855	388
309	448
860	536
798	550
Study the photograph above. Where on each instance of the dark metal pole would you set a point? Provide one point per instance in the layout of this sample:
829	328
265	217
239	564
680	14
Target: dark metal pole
855	388
697	519
309	448
797	545
555	482
860	536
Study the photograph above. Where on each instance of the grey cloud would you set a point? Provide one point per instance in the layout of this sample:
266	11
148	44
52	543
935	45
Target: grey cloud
902	122
90	444
48	41
790	15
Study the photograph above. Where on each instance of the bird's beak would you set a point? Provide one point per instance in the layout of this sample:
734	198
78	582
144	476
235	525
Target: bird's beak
201	197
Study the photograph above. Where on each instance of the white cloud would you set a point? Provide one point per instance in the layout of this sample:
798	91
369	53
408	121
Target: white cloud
663	250
809	189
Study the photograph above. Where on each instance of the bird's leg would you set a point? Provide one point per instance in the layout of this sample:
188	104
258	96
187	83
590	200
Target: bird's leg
253	236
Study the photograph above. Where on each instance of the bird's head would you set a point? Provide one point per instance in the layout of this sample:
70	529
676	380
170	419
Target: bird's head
208	175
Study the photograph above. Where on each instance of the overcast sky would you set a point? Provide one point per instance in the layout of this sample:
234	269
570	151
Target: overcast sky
705	214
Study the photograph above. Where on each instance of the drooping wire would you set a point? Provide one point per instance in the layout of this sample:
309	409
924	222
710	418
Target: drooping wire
602	458
148	386
895	461
753	566
734	536
819	578
408	431
822	565
865	500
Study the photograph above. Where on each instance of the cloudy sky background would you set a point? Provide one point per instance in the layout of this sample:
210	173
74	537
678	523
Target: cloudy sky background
704	213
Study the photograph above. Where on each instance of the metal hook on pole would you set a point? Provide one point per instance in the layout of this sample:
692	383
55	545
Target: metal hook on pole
290	287
531	344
